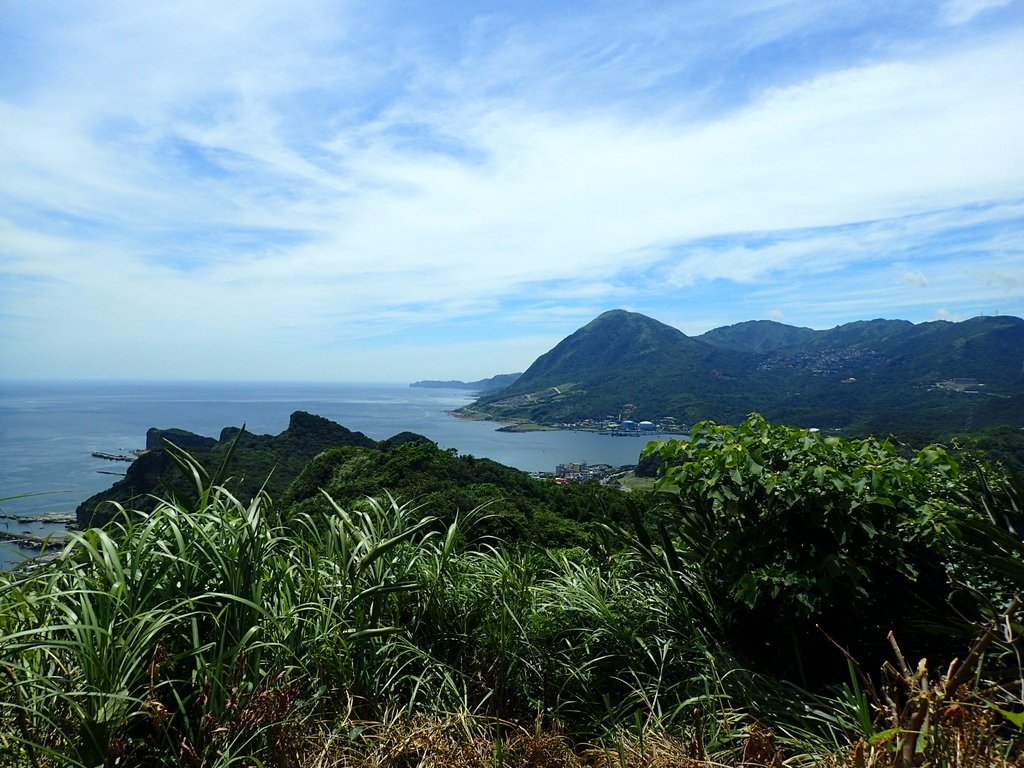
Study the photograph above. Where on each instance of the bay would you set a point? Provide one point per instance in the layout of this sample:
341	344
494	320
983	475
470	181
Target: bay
48	431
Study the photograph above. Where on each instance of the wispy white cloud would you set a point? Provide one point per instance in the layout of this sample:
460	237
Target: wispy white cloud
962	11
944	314
313	177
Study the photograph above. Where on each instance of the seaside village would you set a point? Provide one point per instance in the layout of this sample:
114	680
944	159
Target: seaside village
605	474
581	473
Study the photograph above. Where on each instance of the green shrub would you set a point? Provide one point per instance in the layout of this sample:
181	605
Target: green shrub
799	535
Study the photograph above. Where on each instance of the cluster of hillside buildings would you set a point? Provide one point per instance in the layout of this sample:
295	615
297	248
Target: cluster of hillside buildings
826	361
579	473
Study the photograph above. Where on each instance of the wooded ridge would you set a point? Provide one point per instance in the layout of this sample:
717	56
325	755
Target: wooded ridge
919	382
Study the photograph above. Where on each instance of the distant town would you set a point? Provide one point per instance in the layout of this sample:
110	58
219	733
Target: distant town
605	474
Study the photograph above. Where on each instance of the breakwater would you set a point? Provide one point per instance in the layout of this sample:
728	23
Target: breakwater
113	456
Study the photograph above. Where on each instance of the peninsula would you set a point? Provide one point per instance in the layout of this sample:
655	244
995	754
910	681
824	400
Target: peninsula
491	384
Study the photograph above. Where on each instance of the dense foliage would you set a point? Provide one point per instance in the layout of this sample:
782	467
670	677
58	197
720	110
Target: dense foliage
315	454
212	631
198	635
810	537
1001	444
516	508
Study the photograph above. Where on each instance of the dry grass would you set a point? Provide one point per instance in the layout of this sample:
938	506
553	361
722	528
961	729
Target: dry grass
462	741
965	739
453	741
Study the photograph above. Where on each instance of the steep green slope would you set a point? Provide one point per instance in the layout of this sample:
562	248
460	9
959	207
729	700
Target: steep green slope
766	336
989	350
917	381
859	332
623	363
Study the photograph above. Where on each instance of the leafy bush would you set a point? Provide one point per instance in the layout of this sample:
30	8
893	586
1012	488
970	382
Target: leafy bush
795	531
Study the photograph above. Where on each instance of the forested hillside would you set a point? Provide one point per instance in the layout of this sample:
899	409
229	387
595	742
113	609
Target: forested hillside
884	377
513	506
254	463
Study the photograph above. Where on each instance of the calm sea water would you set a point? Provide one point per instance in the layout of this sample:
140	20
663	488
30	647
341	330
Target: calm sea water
48	431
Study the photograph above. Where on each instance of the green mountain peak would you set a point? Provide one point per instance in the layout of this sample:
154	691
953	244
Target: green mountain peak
882	376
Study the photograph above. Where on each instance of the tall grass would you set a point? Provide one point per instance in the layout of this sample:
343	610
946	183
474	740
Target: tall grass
216	632
206	630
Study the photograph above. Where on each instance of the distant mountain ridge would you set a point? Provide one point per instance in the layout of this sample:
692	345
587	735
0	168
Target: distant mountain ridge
490	384
757	336
887	376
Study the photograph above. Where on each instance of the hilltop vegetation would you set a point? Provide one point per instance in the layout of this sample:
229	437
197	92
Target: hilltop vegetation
312	631
622	359
516	507
258	462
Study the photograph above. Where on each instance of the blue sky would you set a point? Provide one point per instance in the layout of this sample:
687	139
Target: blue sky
385	191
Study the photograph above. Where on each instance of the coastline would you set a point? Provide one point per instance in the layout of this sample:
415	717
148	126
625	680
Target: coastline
51	431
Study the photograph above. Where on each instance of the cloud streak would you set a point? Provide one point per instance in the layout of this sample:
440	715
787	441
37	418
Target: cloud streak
319	183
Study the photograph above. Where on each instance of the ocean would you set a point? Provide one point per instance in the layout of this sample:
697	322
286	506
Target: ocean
49	430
